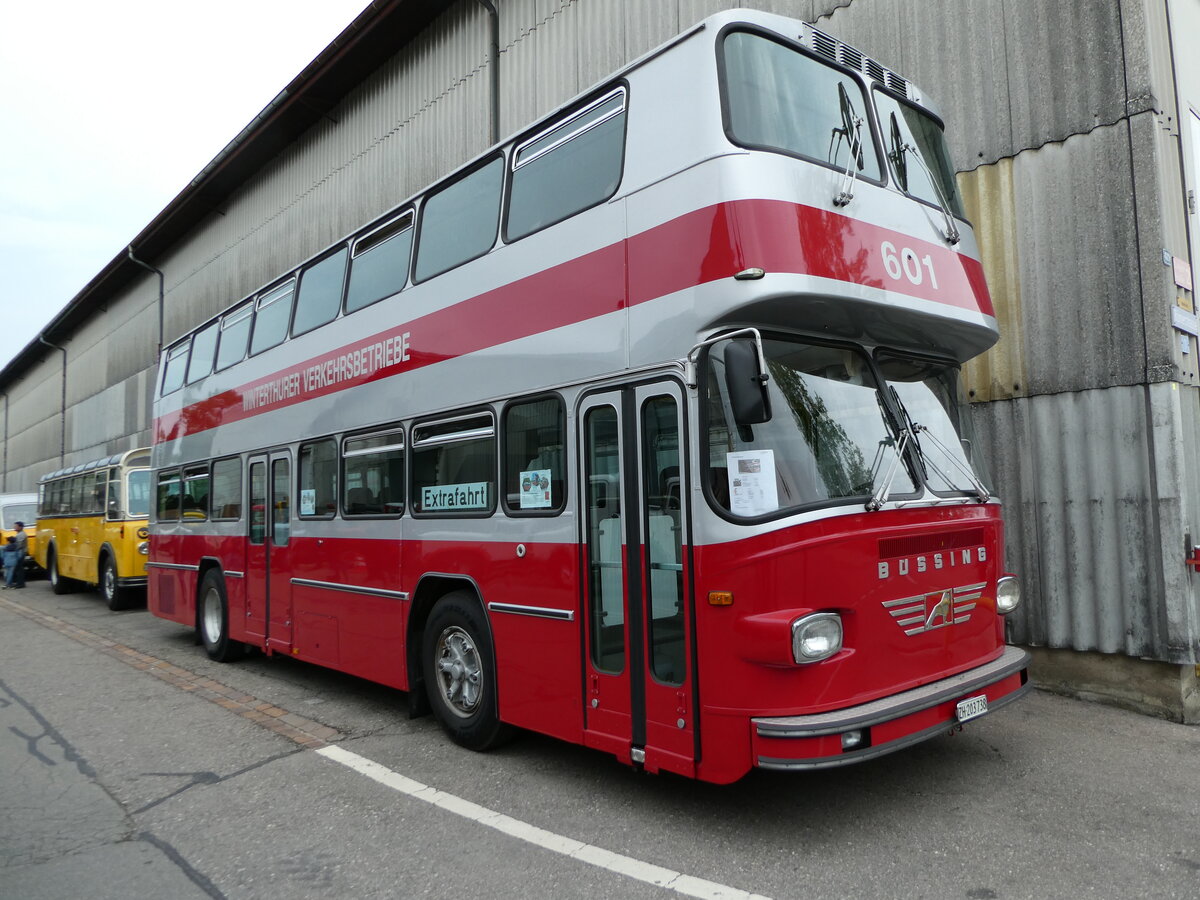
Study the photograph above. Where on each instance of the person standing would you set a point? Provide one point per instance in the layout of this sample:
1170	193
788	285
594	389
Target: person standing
22	540
11	558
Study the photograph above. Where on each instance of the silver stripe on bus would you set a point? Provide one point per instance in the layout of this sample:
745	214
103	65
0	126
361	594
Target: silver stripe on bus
541	612
231	574
350	588
162	565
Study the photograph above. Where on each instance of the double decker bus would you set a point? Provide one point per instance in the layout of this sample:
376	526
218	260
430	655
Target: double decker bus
93	527
644	429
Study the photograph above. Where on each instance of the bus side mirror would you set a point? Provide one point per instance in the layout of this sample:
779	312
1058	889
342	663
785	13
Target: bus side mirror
746	384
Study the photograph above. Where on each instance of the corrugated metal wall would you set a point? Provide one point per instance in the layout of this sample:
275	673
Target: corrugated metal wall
1060	118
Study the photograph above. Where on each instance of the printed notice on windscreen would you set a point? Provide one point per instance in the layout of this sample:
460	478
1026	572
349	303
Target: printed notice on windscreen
752	490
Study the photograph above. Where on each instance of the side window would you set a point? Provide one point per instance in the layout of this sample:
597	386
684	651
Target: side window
175	368
454	466
535	456
374	467
227	489
459	222
320	295
77	493
96	486
318	479
379	267
272	312
195	494
204	348
167	505
235	334
569	167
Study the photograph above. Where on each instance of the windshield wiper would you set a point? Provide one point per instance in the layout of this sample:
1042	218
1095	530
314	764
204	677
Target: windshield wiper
896	154
885	487
980	488
851	130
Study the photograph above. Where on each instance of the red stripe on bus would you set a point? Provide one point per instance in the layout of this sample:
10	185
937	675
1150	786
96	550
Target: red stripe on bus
694	249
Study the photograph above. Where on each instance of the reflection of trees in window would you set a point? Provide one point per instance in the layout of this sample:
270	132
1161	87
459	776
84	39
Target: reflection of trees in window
839	460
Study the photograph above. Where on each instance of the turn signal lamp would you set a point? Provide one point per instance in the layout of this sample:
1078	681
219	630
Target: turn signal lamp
1008	595
816	637
720	598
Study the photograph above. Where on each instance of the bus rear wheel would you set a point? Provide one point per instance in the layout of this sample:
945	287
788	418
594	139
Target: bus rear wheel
460	672
114	595
58	584
212	620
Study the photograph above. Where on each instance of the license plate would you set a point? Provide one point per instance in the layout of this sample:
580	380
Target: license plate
971	708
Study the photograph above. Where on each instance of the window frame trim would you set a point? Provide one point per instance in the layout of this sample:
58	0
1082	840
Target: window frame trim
354	454
517	512
440	442
869	119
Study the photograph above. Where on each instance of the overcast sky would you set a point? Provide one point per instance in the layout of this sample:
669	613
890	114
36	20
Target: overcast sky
109	109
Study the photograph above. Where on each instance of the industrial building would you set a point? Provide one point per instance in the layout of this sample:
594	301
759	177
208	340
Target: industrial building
1076	132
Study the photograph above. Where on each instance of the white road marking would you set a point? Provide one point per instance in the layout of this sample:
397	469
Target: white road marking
531	834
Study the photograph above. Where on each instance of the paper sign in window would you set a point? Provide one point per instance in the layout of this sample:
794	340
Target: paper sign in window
535	489
752	490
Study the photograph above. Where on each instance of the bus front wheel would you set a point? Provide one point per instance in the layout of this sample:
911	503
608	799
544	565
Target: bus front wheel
58	584
212	620
460	672
114	595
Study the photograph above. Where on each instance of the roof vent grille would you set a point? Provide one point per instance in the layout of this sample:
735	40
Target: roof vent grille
831	48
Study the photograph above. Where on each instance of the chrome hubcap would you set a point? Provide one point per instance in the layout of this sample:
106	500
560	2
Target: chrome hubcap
212	617
459	672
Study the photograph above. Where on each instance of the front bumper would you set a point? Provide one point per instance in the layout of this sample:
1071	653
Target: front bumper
891	723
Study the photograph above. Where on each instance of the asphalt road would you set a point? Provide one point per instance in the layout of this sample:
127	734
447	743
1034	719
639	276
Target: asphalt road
131	766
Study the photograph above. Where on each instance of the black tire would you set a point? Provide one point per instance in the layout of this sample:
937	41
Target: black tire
460	672
58	584
114	595
212	619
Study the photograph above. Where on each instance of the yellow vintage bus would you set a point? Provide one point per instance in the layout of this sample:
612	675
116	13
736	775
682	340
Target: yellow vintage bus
92	526
21	508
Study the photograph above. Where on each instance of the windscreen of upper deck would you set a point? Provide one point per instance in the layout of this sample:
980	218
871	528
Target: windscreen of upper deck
779	98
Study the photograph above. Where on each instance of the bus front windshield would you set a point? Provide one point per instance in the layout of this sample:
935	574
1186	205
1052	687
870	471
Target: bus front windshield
12	513
137	494
833	434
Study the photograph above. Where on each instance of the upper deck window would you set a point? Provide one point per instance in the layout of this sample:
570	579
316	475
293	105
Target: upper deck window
235	333
273	310
916	151
569	167
379	267
459	222
204	348
175	368
320	295
778	98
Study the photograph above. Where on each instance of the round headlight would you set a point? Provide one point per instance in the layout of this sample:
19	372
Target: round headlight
816	637
144	548
1008	595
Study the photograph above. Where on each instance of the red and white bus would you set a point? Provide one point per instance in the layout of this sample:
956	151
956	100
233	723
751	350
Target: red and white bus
643	430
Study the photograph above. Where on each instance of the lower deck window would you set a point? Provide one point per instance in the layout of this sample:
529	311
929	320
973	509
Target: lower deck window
454	466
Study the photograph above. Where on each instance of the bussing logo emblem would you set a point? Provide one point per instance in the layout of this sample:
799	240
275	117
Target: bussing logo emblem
939	609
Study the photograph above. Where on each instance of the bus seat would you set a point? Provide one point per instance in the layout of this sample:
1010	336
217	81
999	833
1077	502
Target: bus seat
360	500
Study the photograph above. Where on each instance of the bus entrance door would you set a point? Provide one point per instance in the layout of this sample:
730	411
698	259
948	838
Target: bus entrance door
268	563
639	669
